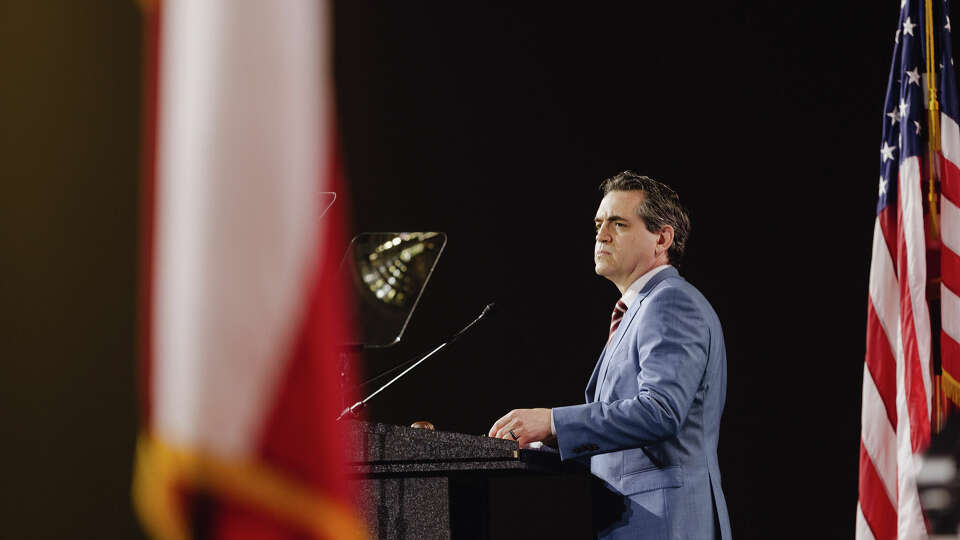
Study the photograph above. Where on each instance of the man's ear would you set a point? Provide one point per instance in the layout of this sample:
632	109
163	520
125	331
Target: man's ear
665	239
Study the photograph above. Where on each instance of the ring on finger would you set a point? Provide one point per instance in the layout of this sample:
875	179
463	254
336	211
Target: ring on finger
512	434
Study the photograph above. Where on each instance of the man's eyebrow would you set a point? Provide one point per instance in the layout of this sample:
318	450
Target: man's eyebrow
610	218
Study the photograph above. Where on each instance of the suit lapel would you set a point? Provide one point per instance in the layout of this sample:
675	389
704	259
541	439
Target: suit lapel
615	343
625	324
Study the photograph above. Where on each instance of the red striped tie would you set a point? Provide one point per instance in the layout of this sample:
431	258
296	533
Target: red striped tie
615	317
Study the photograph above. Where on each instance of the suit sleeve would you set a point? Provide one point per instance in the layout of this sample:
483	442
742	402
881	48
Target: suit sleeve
670	349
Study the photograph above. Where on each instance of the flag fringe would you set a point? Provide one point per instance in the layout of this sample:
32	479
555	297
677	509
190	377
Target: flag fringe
951	388
161	469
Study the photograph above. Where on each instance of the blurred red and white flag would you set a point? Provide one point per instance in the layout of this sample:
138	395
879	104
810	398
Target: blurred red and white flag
242	318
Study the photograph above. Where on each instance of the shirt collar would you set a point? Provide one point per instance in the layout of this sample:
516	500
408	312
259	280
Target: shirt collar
631	293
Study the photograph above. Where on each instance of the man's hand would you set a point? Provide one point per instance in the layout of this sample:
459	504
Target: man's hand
528	425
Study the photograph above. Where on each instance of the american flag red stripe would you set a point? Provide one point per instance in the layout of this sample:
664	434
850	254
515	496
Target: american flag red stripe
950	187
883	515
950	268
882	366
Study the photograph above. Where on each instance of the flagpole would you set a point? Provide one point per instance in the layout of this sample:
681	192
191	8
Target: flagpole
933	149
933	111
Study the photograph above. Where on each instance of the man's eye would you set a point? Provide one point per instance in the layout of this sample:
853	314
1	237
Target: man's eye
621	225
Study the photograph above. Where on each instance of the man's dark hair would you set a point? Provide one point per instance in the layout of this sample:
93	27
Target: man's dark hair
660	206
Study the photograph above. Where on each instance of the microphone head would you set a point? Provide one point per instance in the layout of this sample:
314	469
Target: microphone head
488	310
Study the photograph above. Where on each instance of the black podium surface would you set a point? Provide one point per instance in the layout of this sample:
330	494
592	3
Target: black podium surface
416	483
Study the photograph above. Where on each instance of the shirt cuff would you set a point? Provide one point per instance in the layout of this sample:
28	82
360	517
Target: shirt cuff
553	427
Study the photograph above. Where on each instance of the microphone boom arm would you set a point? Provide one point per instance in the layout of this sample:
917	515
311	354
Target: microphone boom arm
352	410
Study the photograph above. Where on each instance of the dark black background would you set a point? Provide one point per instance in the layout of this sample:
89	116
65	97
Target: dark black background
494	124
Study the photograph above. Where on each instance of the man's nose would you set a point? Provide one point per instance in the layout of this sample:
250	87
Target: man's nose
603	233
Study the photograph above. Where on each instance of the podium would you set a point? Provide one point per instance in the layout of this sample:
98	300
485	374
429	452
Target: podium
417	483
423	484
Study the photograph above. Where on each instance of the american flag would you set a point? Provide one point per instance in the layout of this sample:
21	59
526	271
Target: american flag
900	390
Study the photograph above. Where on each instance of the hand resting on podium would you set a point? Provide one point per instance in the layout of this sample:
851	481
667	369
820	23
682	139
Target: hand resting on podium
526	426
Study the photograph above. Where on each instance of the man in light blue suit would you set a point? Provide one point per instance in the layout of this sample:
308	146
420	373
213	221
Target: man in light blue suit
651	421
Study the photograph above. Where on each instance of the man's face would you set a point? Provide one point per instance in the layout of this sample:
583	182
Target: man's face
625	249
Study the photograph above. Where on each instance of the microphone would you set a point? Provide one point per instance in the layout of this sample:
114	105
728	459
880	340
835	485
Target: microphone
362	403
487	310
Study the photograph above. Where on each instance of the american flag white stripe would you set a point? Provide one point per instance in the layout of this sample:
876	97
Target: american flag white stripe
863	529
909	514
912	228
950	305
950	140
950	219
884	292
878	436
